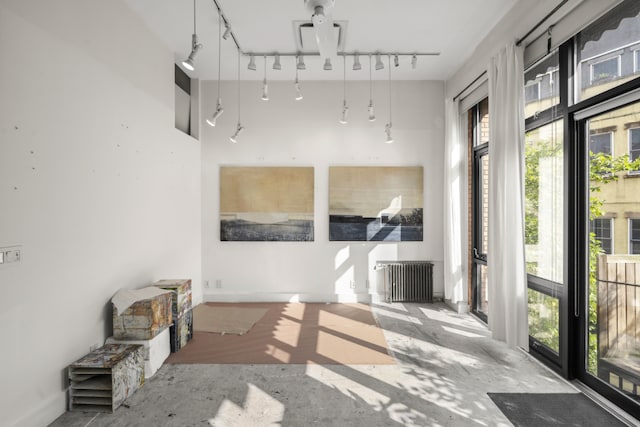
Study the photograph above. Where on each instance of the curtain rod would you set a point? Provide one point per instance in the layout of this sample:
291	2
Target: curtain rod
469	85
518	43
542	21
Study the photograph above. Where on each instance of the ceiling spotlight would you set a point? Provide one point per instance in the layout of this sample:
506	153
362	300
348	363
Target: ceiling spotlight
345	109
345	113
188	63
276	62
356	63
265	87
300	65
372	115
327	65
216	114
379	64
219	109
387	129
227	31
195	46
414	61
296	85
252	63
234	138
396	61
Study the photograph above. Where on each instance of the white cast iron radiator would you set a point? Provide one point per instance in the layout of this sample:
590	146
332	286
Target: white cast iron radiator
407	281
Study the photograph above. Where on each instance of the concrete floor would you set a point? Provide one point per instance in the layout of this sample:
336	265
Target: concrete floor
446	364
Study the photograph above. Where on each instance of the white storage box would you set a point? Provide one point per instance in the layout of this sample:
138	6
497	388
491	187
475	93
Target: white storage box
156	350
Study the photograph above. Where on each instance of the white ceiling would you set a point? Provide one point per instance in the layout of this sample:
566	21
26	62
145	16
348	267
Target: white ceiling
452	27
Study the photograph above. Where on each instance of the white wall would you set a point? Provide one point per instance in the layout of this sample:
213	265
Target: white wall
285	132
96	185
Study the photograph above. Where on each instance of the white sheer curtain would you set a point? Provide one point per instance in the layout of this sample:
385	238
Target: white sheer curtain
507	284
453	177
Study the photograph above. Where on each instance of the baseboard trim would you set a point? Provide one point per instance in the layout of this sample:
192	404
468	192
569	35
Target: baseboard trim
290	297
45	413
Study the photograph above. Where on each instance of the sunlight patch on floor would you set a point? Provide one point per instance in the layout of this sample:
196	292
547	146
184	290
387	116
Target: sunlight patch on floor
259	409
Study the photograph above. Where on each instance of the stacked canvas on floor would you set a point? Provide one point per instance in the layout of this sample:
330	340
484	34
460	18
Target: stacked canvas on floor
143	317
155	351
181	307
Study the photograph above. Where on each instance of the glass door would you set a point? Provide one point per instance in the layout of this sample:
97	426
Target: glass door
611	295
480	203
481	231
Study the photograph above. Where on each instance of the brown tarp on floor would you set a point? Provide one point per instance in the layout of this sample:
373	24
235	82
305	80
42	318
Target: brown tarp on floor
294	333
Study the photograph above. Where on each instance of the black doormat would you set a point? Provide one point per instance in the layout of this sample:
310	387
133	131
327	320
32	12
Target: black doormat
552	409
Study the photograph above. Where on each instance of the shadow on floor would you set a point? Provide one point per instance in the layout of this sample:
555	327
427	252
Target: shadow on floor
445	365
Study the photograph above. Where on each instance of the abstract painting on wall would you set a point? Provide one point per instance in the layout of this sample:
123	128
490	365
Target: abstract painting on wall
375	203
266	203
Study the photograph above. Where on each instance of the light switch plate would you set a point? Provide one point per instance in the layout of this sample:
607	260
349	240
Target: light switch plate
12	256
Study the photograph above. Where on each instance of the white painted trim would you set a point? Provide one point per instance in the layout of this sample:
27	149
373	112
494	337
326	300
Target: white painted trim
293	297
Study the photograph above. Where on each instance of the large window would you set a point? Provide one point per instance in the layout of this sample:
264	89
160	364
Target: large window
613	341
582	204
544	216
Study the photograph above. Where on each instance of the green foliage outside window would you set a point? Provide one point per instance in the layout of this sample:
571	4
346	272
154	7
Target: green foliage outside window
603	169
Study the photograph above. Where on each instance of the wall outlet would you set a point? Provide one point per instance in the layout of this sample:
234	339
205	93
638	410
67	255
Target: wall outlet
206	284
218	283
352	284
366	283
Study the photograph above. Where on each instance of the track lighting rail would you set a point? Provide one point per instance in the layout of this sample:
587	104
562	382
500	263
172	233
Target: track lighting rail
227	24
273	53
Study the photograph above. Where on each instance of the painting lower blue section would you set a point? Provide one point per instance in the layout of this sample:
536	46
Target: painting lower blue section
246	231
402	228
